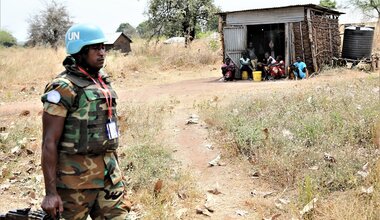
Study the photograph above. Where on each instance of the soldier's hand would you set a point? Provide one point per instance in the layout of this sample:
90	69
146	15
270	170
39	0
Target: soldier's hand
52	204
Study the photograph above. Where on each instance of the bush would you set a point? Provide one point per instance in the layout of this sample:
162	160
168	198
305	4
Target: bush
6	39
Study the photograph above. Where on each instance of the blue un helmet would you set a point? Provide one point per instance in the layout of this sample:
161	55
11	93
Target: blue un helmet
81	35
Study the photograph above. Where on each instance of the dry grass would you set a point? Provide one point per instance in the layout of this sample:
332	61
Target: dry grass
152	63
145	157
287	135
29	69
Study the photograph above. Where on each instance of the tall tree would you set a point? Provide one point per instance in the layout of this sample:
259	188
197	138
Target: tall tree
7	39
48	27
328	3
178	17
127	29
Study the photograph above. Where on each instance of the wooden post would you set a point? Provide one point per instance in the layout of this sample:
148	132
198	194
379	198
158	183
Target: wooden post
330	36
287	48
292	42
315	65
303	49
221	32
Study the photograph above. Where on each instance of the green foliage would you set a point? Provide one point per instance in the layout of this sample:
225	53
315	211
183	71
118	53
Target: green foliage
307	191
127	29
328	3
213	23
214	45
179	17
144	30
6	39
49	26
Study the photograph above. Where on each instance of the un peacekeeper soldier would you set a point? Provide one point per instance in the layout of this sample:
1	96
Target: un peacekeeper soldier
80	134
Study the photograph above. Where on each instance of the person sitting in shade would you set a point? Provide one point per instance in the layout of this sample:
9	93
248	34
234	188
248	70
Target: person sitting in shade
277	70
246	65
268	62
300	70
228	70
252	54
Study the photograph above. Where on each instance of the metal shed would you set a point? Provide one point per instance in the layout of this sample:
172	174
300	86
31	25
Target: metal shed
309	31
118	41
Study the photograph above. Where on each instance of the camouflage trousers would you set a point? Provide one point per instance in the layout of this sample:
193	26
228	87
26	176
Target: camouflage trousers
104	203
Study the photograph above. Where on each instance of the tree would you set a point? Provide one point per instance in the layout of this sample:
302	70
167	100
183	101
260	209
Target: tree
6	39
328	3
49	26
368	6
127	29
144	30
213	22
179	17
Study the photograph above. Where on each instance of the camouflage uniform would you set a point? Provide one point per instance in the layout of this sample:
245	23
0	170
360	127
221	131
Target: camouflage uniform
89	179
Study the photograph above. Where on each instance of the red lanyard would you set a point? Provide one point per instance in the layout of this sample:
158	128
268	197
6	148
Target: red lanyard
104	88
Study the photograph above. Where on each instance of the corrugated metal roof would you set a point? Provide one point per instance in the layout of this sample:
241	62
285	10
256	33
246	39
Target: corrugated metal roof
112	37
289	6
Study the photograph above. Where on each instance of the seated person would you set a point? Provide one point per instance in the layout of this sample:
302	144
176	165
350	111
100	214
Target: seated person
300	70
228	70
277	69
269	59
252	54
246	65
267	63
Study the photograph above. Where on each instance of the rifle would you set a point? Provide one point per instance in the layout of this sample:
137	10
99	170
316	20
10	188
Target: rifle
26	214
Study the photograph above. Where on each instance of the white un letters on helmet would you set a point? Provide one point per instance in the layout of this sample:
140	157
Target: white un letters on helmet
74	36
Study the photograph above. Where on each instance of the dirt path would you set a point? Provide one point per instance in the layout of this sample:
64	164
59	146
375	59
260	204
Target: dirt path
193	150
191	141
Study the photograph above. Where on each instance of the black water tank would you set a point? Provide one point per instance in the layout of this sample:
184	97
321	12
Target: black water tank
357	42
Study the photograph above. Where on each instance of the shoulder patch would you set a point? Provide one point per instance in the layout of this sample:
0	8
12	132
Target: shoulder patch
53	96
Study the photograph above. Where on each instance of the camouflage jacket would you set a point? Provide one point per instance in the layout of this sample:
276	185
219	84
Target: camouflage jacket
85	153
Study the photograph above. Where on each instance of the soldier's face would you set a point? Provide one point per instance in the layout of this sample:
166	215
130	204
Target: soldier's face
96	55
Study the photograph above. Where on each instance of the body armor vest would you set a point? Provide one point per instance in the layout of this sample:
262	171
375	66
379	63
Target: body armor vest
85	125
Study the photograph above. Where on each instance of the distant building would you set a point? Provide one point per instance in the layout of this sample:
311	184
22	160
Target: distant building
309	31
118	41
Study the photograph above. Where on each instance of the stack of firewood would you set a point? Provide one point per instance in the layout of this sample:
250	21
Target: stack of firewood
326	38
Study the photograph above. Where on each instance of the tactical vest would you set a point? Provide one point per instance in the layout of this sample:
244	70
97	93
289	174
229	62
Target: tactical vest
85	125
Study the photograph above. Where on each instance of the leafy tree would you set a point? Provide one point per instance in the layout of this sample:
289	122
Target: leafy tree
328	3
127	29
213	23
49	26
179	17
144	30
6	39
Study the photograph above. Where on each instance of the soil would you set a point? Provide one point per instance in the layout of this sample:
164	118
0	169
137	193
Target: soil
192	141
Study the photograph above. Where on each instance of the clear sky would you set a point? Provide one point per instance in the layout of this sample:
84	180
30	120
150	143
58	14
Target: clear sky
109	14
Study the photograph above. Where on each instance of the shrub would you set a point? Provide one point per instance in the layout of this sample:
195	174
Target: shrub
6	39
